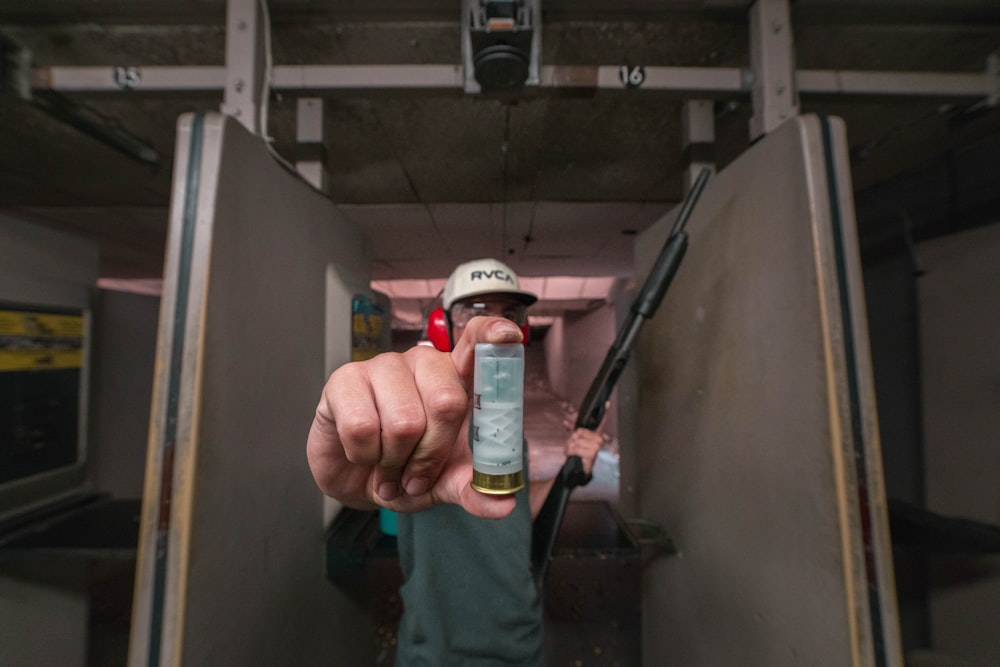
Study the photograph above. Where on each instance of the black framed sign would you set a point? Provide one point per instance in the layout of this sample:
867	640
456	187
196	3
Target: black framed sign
41	366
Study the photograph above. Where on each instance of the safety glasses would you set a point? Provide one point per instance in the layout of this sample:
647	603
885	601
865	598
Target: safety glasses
496	306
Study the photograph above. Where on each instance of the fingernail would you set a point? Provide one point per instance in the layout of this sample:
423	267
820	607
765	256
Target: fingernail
388	490
417	486
507	330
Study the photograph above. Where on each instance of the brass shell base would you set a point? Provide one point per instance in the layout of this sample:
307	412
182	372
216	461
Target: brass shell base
498	484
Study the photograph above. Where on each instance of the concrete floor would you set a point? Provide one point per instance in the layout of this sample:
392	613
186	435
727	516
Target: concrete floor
591	597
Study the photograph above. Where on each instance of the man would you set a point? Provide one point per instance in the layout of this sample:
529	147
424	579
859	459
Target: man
392	432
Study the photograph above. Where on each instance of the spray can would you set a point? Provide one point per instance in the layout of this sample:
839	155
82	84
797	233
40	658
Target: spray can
497	436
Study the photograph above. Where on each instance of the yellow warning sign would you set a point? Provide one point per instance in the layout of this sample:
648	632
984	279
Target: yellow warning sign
366	328
32	340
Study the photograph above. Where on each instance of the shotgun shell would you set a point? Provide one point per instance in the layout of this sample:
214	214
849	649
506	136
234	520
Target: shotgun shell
497	436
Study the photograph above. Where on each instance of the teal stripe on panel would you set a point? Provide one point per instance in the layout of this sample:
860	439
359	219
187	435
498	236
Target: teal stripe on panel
189	218
854	394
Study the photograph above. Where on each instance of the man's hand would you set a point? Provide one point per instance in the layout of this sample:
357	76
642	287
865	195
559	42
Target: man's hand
585	444
582	442
392	431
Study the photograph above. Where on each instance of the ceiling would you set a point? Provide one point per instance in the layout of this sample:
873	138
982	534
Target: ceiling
555	182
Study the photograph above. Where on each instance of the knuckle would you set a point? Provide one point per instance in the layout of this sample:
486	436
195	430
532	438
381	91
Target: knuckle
360	435
407	424
447	404
359	428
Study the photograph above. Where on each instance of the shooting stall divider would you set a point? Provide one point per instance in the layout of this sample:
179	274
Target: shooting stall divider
256	309
757	436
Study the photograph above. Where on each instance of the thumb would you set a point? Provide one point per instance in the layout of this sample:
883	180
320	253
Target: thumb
494	330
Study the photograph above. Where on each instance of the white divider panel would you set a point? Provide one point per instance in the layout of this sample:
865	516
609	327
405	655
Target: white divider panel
758	435
230	567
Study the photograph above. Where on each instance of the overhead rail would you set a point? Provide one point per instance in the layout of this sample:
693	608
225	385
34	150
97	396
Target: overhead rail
343	80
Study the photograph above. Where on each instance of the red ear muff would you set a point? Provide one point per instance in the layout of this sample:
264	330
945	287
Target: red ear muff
437	330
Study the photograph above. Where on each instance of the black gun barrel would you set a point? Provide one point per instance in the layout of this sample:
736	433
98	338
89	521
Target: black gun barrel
591	414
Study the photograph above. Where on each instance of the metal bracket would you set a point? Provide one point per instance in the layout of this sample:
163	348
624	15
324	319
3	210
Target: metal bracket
310	133
774	94
650	538
246	62
698	127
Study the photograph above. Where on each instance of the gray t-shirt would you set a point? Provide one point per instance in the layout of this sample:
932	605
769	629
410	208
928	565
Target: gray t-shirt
469	597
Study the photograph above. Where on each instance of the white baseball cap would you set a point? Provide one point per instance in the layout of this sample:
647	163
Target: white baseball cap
484	276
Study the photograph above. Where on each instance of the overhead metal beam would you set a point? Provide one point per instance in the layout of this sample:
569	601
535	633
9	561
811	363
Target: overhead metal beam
894	84
341	80
319	78
195	12
693	81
